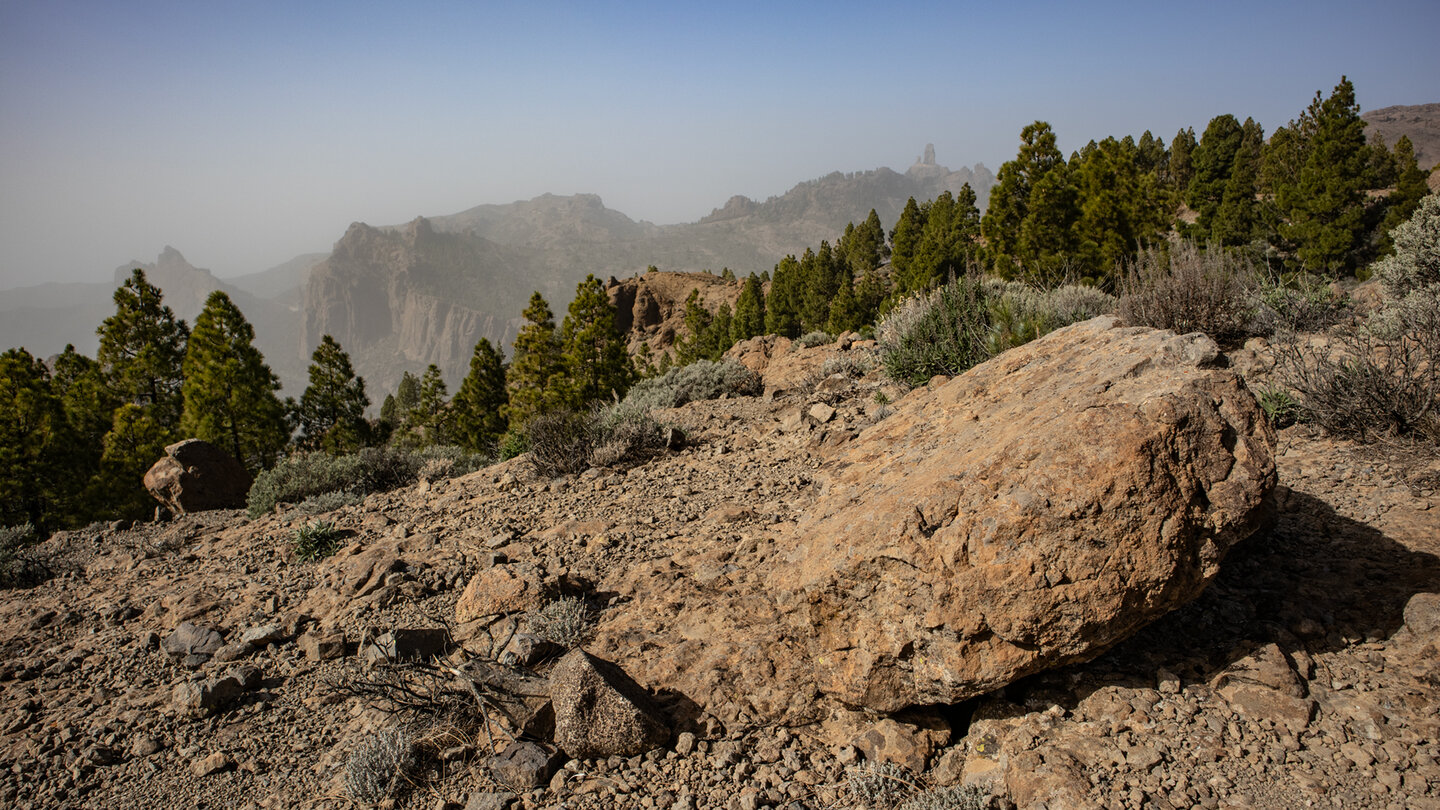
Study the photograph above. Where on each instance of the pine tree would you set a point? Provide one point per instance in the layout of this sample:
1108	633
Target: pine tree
1017	235
1325	208
1047	238
698	342
332	409
536	372
1213	161
135	442
822	271
1181	168
864	246
1410	188
89	407
431	414
33	436
142	350
596	361
1237	219
749	318
479	405
947	242
782	305
229	392
407	394
905	241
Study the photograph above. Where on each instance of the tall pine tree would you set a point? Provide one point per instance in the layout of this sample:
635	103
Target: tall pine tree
142	350
479	405
596	361
536	372
229	392
1325	206
332	409
749	320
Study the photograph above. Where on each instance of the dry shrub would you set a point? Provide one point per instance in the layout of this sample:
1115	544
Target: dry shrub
1372	379
1189	290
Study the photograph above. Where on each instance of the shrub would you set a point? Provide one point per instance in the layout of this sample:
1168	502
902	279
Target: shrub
315	541
328	502
378	765
1297	302
560	442
1416	262
1191	290
700	380
810	340
944	331
21	566
624	433
566	621
373	469
880	784
851	364
1371	379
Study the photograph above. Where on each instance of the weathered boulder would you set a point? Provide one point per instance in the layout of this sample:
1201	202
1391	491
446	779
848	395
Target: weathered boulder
1030	513
600	711
1027	514
196	476
500	589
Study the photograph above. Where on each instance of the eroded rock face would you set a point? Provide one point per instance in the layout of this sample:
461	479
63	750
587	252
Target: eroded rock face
1030	513
196	476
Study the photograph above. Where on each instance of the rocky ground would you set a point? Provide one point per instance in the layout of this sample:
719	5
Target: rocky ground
1307	674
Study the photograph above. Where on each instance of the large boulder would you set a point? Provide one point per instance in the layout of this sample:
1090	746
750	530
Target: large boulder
196	476
1030	513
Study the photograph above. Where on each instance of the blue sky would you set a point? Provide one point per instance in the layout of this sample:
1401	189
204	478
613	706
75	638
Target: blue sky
244	134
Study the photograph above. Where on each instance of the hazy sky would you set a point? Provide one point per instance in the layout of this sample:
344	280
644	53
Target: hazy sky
247	133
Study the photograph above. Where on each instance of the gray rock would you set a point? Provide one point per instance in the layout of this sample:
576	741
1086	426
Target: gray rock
262	635
213	764
192	645
491	800
600	711
523	766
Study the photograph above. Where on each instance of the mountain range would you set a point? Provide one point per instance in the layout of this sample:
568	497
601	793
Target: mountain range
400	297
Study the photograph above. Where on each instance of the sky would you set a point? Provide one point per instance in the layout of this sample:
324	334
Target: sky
247	133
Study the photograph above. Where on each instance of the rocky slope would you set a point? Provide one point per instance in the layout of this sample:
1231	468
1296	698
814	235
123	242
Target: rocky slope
1419	122
1305	674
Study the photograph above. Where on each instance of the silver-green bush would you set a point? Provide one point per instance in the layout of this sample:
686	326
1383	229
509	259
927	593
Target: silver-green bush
372	469
378	765
566	621
699	380
1416	262
880	785
943	331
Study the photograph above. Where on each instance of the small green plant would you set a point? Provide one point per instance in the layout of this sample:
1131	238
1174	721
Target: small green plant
315	541
881	398
512	444
623	433
880	785
566	621
1280	407
379	765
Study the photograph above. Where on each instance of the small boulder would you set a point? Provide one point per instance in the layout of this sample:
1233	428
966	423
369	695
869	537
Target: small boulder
192	645
320	646
213	764
600	711
523	766
499	589
196	476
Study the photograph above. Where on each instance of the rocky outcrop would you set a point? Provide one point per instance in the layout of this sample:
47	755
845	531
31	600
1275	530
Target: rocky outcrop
196	476
1030	513
650	307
